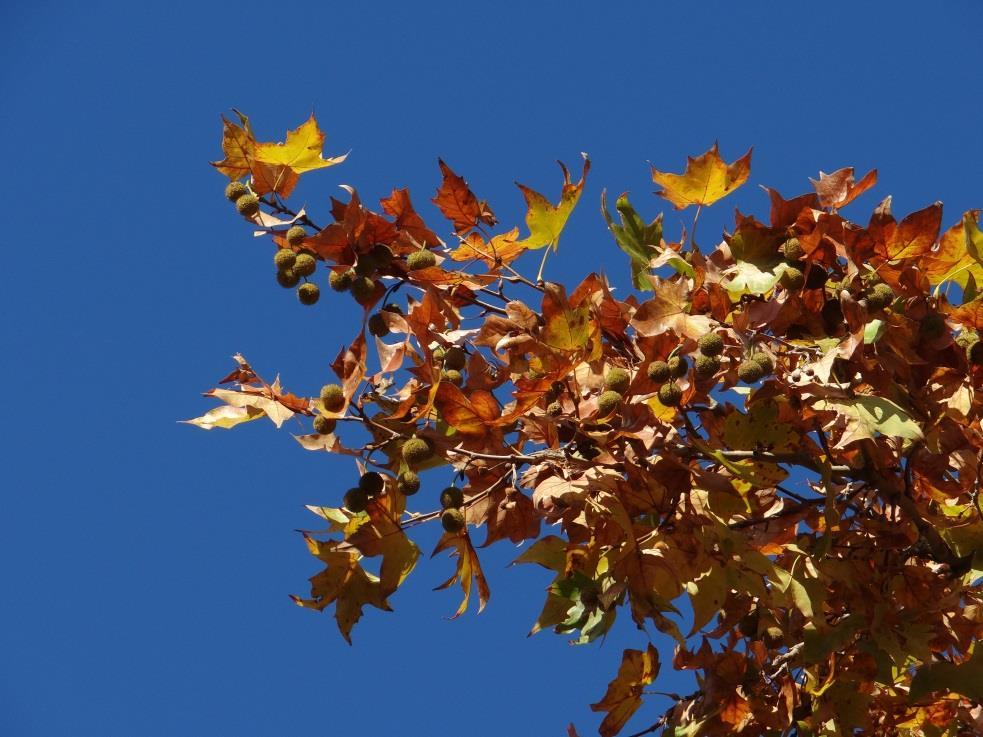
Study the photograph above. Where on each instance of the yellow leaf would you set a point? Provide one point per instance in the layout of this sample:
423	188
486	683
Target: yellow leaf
302	151
761	428
545	220
959	255
468	570
624	695
707	178
226	417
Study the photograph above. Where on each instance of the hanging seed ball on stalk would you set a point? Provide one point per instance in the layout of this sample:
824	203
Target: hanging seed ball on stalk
416	451
287	278
324	425
763	360
608	402
617	380
422	259
452	520
455	357
305	264
284	258
340	281
296	235
678	366
332	397
792	279
235	190
362	289
451	498
670	394
248	205
659	372
408	483
356	500
308	293
372	482
880	297
792	249
711	344
554	409
750	371
381	256
378	326
454	376
706	366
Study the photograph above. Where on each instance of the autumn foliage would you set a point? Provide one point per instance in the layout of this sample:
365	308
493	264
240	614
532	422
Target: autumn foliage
782	430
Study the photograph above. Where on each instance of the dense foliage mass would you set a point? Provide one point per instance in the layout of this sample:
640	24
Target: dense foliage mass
785	430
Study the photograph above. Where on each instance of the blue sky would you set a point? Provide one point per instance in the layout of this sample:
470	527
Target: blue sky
146	564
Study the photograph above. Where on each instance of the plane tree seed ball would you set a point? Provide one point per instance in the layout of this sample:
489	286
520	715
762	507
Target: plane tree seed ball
454	376
296	235
974	353
332	397
763	360
287	278
793	249
378	326
362	289
356	500
235	190
451	497
711	344
659	372
608	402
750	371
554	409
340	281
305	265
452	520
308	294
248	205
416	451
408	483
372	482
880	297
420	260
381	255
793	279
455	357
284	258
670	394
678	366
706	366
324	425
617	380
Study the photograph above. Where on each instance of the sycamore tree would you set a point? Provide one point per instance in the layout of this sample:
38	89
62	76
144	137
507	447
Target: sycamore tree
781	431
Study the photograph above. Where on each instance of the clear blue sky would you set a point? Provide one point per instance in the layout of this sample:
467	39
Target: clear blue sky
145	564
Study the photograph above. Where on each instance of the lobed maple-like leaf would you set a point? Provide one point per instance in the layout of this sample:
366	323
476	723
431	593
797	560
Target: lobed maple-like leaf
624	694
707	178
546	220
458	203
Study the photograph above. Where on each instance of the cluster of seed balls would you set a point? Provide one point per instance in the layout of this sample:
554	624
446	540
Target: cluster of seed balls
247	203
359	280
451	361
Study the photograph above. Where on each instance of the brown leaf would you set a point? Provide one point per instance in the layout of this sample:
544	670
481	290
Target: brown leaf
458	203
624	695
839	189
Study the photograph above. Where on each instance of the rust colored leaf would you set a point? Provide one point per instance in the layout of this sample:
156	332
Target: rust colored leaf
624	695
458	203
839	188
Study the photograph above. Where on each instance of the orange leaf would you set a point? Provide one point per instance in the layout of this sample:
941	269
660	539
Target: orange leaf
838	189
458	204
468	571
707	179
624	694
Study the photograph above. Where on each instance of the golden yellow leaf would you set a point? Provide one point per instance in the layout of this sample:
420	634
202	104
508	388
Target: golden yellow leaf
707	179
545	220
302	151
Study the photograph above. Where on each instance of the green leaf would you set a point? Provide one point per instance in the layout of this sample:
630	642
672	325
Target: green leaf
867	416
965	678
639	240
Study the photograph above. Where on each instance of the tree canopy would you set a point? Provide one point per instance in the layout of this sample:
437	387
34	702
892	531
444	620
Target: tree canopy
781	431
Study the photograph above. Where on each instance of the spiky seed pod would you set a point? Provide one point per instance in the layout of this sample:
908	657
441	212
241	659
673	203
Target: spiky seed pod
248	205
932	326
711	344
284	258
452	520
235	190
438	354
792	249
748	624
356	500
287	278
706	366
659	372
678	366
421	259
408	483
974	353
880	297
792	279
750	371
816	278
296	235
362	289
305	265
381	255
372	482
308	293
416	451
340	281
451	498
454	376
670	394
554	409
608	402
332	397
617	380
324	425
967	338
378	326
773	637
763	360
455	357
